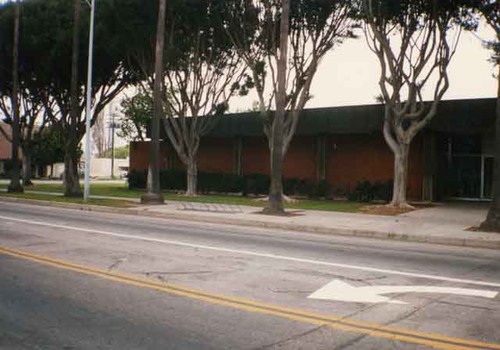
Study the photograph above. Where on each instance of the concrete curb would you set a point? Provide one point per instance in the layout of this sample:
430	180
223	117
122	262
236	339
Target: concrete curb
197	217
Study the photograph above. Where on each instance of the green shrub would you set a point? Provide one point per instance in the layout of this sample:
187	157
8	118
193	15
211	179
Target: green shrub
365	191
231	183
290	186
382	190
174	180
137	179
362	193
321	190
119	153
256	184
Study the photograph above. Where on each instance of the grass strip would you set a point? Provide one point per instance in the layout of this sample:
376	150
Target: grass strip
116	203
121	191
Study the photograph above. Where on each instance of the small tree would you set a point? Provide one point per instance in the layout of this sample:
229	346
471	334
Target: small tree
137	111
412	43
276	134
201	75
31	122
31	96
48	148
52	27
491	12
255	28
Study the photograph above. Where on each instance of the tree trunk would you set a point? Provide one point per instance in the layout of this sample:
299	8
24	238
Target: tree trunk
275	204
27	175
192	177
153	193
15	183
71	181
401	151
400	176
492	222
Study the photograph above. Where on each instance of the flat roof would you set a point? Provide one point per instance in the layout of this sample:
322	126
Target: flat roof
455	116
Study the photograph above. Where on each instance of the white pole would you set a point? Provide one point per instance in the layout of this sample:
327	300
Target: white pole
86	191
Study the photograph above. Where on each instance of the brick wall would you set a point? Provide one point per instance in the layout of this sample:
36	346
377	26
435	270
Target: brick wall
255	156
300	161
349	159
216	155
354	158
139	155
5	145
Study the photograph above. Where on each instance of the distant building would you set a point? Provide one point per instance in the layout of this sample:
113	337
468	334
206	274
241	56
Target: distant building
451	158
6	149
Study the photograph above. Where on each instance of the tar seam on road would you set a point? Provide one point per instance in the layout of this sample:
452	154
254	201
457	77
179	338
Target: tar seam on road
343	324
250	253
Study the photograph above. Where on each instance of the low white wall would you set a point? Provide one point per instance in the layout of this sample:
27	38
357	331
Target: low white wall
57	171
101	167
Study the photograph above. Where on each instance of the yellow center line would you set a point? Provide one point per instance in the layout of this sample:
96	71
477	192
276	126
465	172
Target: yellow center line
339	323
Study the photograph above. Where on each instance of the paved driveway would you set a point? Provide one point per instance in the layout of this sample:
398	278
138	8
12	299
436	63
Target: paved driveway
459	213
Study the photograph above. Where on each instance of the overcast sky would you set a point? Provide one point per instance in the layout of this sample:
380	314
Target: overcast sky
349	74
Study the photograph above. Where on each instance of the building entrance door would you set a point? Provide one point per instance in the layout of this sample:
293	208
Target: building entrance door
469	171
471	176
465	176
487	177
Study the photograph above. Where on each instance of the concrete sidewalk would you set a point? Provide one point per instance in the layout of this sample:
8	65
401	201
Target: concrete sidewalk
443	224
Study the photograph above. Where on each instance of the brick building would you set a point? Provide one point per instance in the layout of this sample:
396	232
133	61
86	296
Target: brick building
6	149
451	158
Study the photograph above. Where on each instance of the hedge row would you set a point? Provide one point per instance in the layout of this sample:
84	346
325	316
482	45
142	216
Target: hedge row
258	184
366	191
229	183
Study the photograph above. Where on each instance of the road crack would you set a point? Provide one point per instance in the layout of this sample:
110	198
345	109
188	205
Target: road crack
289	339
116	263
163	273
290	291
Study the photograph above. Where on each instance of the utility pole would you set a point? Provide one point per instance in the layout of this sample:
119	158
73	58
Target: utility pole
86	188
112	144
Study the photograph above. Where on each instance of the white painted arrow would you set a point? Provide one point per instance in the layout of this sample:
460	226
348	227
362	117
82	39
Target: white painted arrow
341	291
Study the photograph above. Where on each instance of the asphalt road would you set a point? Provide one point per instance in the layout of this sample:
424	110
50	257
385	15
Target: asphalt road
84	280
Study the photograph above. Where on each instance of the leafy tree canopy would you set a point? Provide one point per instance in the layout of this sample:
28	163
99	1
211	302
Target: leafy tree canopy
119	153
490	9
138	111
48	148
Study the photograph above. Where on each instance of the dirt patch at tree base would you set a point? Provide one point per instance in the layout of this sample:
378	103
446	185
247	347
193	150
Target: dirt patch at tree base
383	209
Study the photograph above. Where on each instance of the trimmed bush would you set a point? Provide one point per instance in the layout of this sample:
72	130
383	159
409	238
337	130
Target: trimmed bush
222	183
382	190
256	184
365	191
137	179
321	190
252	184
173	180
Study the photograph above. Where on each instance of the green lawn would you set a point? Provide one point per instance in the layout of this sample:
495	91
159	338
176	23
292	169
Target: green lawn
98	189
122	191
54	198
